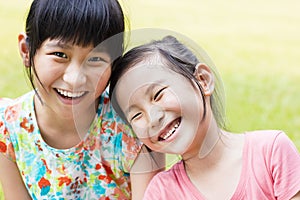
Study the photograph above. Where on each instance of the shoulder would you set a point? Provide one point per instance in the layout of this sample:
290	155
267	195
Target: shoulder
268	147
272	156
106	110
274	144
7	102
110	119
4	103
265	137
263	134
117	134
10	109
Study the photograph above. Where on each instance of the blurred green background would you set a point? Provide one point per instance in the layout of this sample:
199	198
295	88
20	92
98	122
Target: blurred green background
254	44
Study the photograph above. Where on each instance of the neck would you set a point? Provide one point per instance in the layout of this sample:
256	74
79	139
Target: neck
211	139
205	140
227	148
53	127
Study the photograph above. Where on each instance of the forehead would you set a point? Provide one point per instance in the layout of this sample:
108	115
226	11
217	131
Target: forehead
142	78
144	74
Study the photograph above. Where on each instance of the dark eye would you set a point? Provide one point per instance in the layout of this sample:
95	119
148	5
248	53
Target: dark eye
95	59
159	94
137	115
60	54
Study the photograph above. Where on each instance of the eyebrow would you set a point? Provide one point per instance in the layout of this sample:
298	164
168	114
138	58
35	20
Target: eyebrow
149	88
59	44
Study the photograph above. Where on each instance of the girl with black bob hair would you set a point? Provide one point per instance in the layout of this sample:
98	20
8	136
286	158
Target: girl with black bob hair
63	140
82	22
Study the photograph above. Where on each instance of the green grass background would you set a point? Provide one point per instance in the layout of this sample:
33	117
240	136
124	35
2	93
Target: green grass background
254	44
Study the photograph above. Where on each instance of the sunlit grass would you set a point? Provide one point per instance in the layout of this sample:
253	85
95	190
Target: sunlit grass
12	19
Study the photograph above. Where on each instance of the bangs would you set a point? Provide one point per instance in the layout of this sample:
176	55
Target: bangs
77	21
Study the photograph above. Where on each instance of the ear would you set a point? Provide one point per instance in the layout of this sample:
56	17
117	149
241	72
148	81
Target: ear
23	49
205	77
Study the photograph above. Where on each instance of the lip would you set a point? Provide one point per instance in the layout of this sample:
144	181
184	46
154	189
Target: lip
169	127
70	100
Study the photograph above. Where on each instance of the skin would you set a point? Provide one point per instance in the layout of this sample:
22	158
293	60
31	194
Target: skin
154	101
153	106
59	66
297	196
64	69
143	170
11	181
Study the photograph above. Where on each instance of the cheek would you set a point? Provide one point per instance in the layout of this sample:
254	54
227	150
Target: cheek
190	103
46	71
43	78
140	129
171	101
100	80
192	109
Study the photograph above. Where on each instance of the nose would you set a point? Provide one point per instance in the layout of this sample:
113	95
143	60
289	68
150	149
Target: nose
74	75
156	116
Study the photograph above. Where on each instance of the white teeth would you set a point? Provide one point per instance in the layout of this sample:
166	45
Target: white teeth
171	131
70	94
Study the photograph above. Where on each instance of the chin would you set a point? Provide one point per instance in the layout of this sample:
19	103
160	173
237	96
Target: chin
172	150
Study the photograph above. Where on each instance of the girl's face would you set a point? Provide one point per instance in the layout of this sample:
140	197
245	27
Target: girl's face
70	78
163	107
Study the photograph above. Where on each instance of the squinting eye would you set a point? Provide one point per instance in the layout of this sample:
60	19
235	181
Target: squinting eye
136	116
60	54
158	94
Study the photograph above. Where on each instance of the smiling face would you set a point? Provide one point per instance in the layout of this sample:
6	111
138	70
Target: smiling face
70	78
164	108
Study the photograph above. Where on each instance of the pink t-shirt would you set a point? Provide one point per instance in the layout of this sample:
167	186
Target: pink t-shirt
271	170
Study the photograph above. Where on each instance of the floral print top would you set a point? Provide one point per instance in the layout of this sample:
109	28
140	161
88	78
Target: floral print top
96	168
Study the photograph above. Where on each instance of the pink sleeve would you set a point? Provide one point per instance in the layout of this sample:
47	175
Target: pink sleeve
285	167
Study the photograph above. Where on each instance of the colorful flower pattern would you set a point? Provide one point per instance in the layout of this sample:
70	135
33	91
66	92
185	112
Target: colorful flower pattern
97	168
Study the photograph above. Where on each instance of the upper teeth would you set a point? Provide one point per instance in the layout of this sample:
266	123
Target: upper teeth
171	131
70	94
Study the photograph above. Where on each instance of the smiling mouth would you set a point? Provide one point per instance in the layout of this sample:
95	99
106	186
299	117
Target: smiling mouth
69	95
169	130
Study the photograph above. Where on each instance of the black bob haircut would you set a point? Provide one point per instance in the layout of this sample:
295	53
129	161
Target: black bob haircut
81	22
